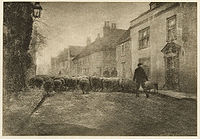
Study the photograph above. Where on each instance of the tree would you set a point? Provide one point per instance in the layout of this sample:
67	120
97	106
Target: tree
18	22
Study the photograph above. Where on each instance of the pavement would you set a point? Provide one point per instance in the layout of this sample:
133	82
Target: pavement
178	95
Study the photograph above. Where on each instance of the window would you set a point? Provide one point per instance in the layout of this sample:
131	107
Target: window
171	28
144	38
146	61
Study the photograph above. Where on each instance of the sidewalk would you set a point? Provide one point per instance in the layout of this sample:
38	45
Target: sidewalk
178	95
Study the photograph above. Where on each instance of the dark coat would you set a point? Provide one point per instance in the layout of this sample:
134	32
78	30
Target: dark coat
106	73
140	75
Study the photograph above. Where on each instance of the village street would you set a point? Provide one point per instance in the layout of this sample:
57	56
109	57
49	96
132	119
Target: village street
100	113
74	68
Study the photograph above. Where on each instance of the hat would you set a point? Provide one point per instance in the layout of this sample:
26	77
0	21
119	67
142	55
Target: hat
139	64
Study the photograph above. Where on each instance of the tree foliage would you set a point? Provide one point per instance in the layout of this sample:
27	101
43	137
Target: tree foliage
18	21
38	41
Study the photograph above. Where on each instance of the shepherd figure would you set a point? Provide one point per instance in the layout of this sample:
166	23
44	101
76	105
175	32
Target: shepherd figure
140	78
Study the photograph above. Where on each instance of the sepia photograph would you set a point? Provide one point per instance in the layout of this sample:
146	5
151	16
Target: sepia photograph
74	68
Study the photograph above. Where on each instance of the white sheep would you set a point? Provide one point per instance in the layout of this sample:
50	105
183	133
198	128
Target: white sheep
149	85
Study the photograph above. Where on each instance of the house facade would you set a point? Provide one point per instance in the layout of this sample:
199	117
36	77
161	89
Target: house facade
99	57
123	56
164	39
62	64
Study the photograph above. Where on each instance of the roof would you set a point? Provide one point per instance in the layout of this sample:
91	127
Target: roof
171	45
104	43
63	55
148	11
75	50
125	37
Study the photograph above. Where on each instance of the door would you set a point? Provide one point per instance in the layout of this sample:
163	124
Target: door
171	58
172	74
172	79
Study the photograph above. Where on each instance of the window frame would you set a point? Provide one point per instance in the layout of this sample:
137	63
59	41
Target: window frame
142	38
123	49
174	17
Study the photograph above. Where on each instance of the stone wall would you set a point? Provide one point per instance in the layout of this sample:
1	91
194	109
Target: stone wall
188	67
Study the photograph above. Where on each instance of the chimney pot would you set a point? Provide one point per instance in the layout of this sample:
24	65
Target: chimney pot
113	26
98	36
88	42
107	24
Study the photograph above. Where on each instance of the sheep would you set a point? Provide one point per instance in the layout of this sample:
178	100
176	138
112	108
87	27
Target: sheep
151	85
128	85
63	85
49	86
111	84
31	82
84	84
38	82
70	83
96	83
57	84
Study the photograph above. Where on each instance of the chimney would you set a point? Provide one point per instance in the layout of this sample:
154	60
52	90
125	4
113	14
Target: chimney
154	5
106	28
88	42
113	26
98	36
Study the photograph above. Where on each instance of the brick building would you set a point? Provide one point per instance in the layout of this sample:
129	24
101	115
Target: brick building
99	56
123	56
62	64
164	38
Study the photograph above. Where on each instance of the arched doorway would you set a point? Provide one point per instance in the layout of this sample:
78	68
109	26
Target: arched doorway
171	59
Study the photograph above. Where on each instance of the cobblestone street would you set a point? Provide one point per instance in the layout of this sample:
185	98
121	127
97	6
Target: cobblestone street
107	114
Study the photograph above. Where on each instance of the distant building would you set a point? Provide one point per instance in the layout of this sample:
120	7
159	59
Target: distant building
62	64
100	55
123	56
164	39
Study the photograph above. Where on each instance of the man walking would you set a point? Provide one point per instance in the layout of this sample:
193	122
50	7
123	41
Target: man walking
140	77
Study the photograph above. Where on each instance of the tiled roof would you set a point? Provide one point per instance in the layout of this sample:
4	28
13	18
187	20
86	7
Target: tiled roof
75	50
125	37
102	44
63	55
148	11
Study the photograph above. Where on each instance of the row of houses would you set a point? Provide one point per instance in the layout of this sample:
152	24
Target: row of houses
164	39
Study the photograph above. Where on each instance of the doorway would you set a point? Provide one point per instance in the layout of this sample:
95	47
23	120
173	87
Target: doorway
171	58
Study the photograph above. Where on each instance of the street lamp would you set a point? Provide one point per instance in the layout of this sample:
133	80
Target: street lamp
37	10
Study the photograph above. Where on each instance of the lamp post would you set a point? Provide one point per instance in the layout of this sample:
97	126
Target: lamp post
36	14
37	10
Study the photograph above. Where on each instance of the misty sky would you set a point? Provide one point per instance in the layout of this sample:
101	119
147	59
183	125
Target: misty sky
65	23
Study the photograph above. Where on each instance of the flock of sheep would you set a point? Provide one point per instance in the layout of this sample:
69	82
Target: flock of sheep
86	84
